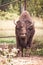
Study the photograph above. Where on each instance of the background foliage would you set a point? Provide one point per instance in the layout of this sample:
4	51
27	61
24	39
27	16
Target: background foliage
35	7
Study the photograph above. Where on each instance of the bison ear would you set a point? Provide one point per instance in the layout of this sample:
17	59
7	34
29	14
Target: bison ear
31	27
17	24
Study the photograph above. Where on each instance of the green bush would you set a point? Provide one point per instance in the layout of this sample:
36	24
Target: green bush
8	15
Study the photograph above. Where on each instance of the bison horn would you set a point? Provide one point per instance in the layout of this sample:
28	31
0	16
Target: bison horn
15	22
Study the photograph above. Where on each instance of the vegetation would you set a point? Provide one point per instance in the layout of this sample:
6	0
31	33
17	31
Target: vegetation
11	9
8	15
7	40
37	48
35	7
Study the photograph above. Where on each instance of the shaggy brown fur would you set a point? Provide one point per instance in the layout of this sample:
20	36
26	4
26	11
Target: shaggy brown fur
24	31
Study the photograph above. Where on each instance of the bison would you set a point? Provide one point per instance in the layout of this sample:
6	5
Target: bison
24	32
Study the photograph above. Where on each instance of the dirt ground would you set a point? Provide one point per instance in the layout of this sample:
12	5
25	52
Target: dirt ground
32	60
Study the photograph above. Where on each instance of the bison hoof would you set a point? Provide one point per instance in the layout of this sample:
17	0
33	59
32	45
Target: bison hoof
20	54
27	55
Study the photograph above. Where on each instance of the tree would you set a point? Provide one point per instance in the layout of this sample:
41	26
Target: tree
4	4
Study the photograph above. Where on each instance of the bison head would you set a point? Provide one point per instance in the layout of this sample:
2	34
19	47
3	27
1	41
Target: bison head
23	31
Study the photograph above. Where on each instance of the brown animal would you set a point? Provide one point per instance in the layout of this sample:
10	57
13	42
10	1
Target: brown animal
24	32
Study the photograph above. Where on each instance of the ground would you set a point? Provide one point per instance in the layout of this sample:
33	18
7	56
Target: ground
32	60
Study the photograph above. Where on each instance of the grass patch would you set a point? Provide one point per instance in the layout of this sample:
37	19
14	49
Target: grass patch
37	52
8	40
37	48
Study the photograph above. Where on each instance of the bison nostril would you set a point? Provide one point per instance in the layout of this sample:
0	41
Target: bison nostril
23	38
25	33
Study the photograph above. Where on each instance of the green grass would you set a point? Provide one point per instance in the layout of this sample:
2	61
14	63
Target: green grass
7	40
37	48
38	52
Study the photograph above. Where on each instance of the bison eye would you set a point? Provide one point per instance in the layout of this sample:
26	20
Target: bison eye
30	28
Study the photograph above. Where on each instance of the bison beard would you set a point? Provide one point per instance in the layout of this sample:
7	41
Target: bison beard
24	32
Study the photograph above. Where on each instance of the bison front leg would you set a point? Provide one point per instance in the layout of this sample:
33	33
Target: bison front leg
29	46
27	52
20	52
